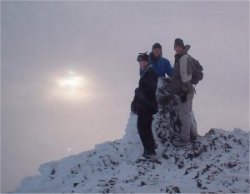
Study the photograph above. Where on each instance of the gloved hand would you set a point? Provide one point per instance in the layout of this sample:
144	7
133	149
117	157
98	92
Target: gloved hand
168	80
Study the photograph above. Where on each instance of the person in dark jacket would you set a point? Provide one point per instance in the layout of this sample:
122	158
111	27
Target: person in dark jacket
160	64
145	105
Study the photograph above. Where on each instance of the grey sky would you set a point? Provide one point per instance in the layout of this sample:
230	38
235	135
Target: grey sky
41	41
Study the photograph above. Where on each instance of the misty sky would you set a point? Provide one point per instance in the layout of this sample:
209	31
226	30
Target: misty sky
47	116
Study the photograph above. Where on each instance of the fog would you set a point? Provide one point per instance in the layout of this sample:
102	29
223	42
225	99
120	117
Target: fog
43	43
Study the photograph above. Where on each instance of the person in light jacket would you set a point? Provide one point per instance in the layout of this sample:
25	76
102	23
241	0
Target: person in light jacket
183	87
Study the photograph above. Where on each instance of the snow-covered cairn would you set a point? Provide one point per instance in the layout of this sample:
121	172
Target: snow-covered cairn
167	125
217	162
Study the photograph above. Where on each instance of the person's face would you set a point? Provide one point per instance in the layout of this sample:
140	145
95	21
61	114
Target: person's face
157	52
178	49
143	64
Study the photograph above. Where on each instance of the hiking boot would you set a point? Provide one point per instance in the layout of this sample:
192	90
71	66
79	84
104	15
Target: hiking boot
196	139
180	144
148	154
149	158
153	158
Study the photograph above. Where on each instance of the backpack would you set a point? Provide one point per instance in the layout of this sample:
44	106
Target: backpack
197	74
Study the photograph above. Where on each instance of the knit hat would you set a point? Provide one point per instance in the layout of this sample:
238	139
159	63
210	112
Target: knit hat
156	45
142	57
179	42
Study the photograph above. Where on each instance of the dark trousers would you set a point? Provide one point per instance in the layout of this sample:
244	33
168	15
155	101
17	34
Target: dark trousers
144	126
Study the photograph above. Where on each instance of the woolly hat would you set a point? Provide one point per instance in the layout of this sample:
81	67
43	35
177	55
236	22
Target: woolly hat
142	57
179	42
156	45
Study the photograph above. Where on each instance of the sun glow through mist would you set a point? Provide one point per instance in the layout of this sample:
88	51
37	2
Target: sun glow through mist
71	81
71	87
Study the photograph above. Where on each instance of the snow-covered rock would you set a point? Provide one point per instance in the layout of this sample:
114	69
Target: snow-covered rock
219	162
216	162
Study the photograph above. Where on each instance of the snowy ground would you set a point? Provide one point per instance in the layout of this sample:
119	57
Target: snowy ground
219	162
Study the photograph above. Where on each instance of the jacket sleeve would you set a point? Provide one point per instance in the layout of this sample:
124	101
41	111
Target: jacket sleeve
169	69
149	88
150	83
184	69
145	94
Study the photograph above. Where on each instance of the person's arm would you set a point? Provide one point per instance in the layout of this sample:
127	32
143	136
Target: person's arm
149	87
185	77
169	69
150	82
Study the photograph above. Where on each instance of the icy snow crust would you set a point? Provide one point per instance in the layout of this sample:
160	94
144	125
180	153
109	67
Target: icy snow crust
218	162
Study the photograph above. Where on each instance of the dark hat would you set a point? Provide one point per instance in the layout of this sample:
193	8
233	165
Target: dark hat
156	45
179	42
142	57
